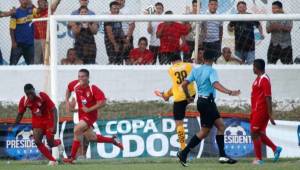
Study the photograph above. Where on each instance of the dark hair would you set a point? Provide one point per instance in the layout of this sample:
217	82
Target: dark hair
69	50
114	3
159	4
241	2
83	7
212	1
277	3
259	64
175	57
143	39
209	55
169	12
28	87
194	1
85	71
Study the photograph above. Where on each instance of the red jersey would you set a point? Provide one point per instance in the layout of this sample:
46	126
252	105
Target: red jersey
141	57
41	108
170	37
261	89
40	28
88	97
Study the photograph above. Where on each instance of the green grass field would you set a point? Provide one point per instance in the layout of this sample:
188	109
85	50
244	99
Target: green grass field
152	164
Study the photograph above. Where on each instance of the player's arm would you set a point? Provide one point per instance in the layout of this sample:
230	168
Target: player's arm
55	119
97	106
19	118
217	85
270	110
160	30
149	28
185	85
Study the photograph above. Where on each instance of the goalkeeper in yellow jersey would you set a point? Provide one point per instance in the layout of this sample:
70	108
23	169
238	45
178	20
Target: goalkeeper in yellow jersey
178	72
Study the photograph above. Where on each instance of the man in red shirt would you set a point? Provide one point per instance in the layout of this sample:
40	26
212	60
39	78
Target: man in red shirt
89	100
40	28
44	119
261	106
141	55
170	34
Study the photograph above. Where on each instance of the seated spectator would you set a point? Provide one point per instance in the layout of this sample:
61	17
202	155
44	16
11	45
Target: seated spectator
21	33
170	34
72	58
85	44
141	55
114	38
40	29
227	58
199	59
83	3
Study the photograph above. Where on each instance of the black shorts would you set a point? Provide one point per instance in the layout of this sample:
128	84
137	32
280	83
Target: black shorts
179	109
208	112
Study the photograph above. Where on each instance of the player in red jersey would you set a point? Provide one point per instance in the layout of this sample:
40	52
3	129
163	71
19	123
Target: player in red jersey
261	106
89	100
44	119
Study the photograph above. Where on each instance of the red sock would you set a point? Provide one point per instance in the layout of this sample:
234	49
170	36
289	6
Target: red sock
102	139
257	148
44	150
75	146
267	141
56	142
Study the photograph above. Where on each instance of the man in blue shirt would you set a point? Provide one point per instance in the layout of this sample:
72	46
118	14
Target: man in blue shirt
207	82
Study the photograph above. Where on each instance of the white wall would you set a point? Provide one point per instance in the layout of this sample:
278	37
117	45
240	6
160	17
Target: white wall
136	83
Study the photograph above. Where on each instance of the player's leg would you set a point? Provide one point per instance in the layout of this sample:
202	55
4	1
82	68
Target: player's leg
256	138
38	136
50	139
93	137
179	114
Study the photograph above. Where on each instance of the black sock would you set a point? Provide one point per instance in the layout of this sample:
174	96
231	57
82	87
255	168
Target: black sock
220	142
193	142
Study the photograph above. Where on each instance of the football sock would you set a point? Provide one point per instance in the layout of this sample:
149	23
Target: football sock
267	141
181	136
257	148
220	142
75	147
102	139
44	150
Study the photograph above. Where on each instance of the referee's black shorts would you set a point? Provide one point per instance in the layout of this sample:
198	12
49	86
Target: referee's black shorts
208	112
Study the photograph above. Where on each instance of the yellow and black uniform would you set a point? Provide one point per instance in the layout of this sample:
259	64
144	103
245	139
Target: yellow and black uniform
178	72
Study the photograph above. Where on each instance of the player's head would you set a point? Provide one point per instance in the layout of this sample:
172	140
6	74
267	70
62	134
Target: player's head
168	13
29	91
241	7
159	8
143	43
259	66
208	56
83	76
114	7
277	7
175	57
43	4
212	6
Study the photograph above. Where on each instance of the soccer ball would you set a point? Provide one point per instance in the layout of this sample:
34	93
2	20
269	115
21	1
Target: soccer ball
235	131
150	10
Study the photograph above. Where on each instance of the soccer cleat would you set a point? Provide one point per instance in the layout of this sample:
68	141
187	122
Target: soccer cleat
53	163
182	159
258	162
277	153
227	160
69	160
117	142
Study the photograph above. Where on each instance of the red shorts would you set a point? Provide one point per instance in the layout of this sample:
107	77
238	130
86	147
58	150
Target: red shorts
46	126
87	119
258	123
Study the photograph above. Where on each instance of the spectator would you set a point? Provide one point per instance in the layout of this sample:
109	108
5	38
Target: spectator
141	55
213	31
40	29
190	38
152	29
128	29
280	45
21	32
227	57
170	34
199	59
5	14
83	3
244	35
114	38
85	44
72	58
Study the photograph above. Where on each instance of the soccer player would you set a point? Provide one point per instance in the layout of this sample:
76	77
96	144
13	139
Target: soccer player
261	106
89	100
44	119
178	72
207	82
